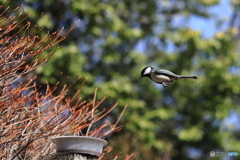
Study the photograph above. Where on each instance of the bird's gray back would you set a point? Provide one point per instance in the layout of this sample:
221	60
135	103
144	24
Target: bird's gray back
164	72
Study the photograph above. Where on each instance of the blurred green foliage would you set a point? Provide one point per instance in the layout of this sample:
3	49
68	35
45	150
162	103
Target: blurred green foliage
116	39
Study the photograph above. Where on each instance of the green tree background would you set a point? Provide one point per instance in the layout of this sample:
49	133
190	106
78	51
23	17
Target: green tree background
117	38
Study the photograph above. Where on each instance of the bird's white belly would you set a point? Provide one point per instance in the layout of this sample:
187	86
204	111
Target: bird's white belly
160	78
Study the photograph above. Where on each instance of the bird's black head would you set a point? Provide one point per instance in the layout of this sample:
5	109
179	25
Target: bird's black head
146	71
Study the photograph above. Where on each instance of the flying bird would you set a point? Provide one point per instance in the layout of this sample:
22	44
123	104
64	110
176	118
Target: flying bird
162	76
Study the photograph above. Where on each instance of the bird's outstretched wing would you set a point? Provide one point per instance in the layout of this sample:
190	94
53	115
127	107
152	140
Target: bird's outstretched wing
164	72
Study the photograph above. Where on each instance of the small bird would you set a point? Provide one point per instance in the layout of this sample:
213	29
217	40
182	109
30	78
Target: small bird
162	76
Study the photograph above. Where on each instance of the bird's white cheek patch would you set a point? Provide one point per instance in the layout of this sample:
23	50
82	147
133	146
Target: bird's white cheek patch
147	71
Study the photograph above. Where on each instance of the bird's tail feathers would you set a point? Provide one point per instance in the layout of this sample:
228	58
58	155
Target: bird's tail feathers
188	77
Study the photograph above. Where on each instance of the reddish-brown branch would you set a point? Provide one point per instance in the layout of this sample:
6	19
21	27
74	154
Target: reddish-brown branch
28	118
